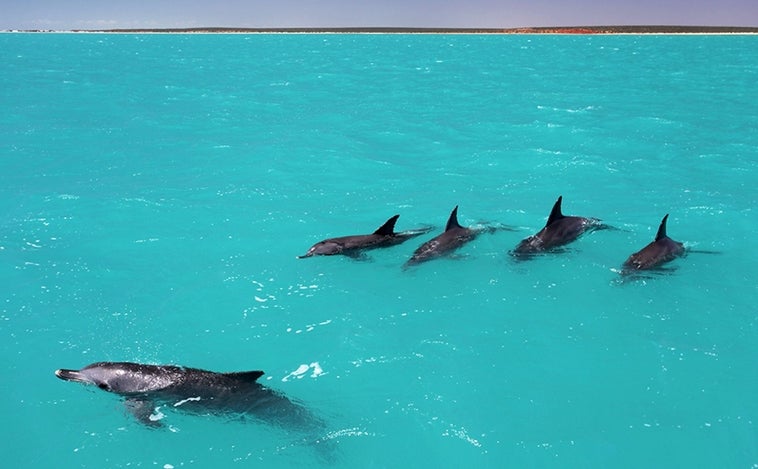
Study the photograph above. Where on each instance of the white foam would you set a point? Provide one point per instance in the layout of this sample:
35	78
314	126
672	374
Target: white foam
158	415
189	399
301	370
463	435
317	370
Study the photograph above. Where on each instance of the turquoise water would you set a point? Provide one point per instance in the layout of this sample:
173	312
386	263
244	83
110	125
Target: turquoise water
158	188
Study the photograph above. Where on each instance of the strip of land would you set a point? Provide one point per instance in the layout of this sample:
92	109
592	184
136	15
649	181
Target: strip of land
377	30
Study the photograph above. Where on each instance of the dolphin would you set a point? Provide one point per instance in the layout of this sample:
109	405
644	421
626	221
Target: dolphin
661	250
560	229
451	239
145	388
354	245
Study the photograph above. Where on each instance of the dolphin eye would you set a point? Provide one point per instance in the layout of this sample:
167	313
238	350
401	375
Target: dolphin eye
103	386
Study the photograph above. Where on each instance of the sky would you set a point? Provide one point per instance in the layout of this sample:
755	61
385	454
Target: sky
115	14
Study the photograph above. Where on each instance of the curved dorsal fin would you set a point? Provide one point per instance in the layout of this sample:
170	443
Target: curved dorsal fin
249	376
388	229
556	213
662	229
452	222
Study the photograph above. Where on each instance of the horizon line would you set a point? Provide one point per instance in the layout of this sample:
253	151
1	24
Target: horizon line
586	29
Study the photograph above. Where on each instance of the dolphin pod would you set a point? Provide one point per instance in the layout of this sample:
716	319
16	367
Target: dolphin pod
145	388
559	230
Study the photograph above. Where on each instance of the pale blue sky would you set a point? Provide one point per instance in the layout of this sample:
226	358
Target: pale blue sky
106	14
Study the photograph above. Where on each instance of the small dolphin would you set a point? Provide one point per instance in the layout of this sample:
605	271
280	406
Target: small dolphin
451	239
146	387
354	245
663	249
560	229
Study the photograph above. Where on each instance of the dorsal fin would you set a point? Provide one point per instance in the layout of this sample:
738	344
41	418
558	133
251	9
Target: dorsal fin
388	229
452	222
249	376
556	213
662	229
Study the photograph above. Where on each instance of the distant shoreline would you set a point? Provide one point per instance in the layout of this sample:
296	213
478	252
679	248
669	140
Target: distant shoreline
381	30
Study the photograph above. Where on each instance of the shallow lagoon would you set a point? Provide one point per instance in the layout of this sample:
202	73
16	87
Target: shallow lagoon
157	190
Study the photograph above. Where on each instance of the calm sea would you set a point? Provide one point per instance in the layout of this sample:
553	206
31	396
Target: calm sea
156	190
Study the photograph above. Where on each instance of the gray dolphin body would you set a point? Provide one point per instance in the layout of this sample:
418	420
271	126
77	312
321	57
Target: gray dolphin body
451	239
146	387
663	249
560	229
354	245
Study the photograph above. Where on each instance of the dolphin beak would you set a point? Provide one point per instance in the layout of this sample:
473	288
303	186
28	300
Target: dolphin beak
71	375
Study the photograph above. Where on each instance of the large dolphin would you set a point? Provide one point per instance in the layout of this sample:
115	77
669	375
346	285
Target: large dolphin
560	229
354	245
451	239
148	387
661	250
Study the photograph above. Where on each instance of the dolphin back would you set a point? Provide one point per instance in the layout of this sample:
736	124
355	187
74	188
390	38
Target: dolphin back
663	249
245	376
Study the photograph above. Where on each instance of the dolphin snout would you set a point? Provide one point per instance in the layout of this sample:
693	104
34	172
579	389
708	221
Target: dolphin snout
310	252
69	375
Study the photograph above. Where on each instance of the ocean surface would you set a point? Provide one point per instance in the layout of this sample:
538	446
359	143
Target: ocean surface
156	190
